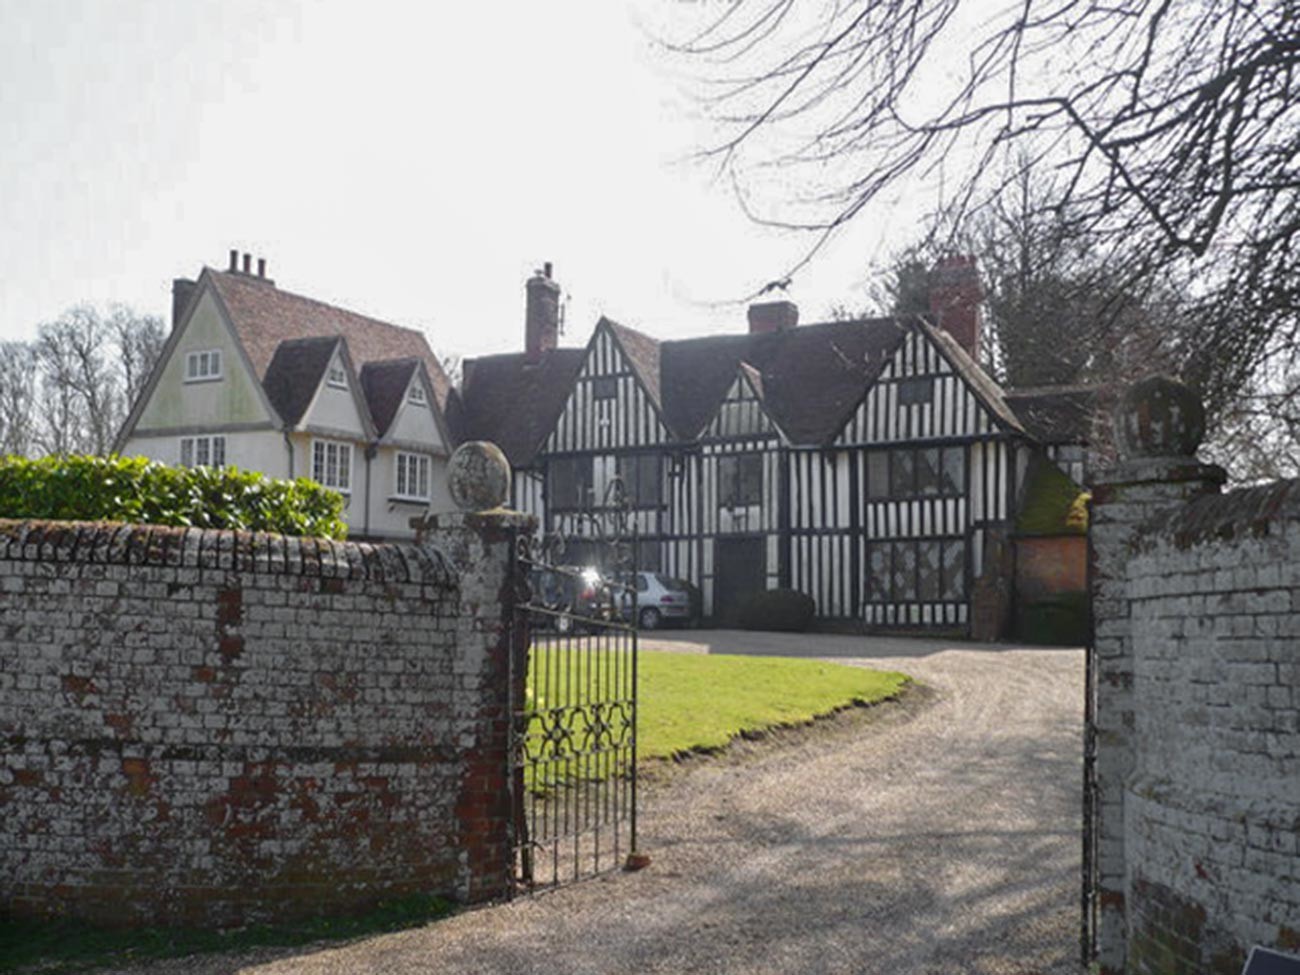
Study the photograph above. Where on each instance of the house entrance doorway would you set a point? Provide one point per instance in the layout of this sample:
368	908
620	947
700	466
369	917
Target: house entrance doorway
740	571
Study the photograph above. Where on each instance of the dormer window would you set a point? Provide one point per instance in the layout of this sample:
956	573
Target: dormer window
416	394
337	376
202	366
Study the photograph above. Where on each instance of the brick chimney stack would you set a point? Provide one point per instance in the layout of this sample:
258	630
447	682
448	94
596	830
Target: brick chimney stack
956	300
541	314
182	288
772	316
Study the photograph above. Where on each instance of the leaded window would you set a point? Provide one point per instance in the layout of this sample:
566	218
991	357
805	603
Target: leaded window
916	472
923	570
570	483
740	480
640	474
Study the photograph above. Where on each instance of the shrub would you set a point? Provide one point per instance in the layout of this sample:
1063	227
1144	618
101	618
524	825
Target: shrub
782	610
1051	504
134	489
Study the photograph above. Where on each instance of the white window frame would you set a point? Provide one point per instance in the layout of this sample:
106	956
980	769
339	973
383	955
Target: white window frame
416	394
205	451
337	376
331	465
203	366
409	466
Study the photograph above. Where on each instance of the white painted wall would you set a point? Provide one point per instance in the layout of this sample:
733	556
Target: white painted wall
263	450
391	518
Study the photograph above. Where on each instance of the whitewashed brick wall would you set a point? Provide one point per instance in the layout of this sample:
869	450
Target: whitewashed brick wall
1197	611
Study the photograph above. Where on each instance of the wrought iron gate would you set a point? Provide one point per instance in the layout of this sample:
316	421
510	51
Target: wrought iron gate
573	714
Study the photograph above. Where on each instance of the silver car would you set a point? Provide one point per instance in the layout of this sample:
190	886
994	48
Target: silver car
658	598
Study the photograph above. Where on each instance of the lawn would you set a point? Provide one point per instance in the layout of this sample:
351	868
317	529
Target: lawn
696	702
692	702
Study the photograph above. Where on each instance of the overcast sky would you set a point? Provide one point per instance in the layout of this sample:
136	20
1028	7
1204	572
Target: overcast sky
413	161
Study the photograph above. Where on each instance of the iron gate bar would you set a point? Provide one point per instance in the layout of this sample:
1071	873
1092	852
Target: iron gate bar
573	681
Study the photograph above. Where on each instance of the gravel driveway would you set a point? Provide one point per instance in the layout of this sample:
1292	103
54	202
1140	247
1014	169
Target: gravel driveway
937	836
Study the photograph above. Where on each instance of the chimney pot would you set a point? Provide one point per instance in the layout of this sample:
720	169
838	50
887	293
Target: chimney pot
234	259
248	263
772	316
541	314
261	267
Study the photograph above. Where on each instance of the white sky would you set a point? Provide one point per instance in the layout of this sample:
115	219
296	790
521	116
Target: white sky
413	161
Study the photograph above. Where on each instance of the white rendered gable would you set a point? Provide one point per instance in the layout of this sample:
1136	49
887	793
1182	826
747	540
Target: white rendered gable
336	410
414	424
234	397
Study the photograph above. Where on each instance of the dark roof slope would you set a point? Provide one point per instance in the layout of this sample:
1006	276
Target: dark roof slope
1057	414
294	374
265	316
384	385
812	376
513	403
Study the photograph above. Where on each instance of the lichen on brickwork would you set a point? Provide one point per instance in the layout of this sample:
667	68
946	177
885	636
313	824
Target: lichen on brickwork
220	727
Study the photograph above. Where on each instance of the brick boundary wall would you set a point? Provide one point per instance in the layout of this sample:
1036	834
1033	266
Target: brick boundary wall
214	727
1196	606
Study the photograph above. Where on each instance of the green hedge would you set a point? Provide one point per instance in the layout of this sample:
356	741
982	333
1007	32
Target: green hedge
136	490
782	610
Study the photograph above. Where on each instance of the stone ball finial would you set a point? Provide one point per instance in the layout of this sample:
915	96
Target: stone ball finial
1159	417
478	476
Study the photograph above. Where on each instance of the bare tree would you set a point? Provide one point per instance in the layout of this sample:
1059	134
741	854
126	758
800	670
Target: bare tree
17	398
64	427
1170	128
86	368
139	341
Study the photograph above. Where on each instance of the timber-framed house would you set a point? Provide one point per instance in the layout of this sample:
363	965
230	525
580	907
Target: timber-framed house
866	463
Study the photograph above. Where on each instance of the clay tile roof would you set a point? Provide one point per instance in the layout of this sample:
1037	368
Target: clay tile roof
1057	414
295	372
513	403
811	376
384	385
266	316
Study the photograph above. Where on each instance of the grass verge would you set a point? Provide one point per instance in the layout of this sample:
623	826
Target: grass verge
75	946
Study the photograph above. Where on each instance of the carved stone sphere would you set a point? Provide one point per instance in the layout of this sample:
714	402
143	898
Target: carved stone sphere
1159	417
478	476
